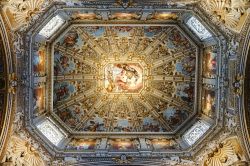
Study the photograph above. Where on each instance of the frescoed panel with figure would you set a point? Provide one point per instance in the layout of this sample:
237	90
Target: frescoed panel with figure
175	117
72	40
63	91
122	144
39	100
185	91
152	31
177	40
161	144
83	144
63	64
39	59
209	63
95	124
123	77
122	125
151	125
95	31
208	102
72	115
186	66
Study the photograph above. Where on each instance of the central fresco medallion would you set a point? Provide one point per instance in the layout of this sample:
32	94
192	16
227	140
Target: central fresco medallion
123	77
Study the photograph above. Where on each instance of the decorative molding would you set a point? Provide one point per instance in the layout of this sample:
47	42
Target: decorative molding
227	152
21	152
7	99
244	102
20	14
233	15
85	21
24	77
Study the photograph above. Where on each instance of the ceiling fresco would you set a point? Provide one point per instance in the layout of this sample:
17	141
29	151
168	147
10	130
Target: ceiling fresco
134	79
125	82
123	87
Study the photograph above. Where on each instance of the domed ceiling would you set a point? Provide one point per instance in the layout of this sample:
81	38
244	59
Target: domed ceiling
126	82
123	78
123	86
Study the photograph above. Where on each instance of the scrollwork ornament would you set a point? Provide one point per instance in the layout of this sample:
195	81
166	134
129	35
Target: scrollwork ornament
237	85
12	83
226	152
123	159
176	161
230	13
231	121
23	152
204	8
33	146
225	148
233	48
125	3
17	44
21	14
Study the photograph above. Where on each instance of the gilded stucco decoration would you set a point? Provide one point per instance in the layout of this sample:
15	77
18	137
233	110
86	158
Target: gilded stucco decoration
177	161
21	147
125	3
164	16
232	13
237	84
126	81
85	16
227	152
130	77
12	83
8	84
20	152
136	82
124	16
20	13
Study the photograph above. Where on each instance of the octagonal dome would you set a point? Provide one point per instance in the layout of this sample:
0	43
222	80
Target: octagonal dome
107	80
122	86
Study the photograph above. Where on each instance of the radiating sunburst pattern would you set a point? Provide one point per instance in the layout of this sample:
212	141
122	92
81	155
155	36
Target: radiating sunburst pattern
124	78
26	10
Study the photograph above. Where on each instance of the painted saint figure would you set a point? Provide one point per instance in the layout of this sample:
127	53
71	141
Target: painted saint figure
123	78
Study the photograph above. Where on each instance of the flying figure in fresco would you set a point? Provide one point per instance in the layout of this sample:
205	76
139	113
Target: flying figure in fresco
210	63
94	126
61	92
63	64
123	78
71	39
178	40
209	105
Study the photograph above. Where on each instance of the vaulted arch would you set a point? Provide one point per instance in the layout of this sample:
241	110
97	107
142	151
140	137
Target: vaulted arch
246	96
7	87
